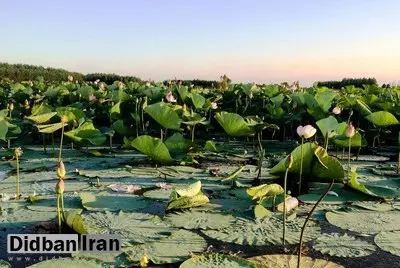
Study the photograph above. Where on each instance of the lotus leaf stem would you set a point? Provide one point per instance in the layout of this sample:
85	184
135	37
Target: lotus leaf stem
284	205
348	161
17	158
301	165
58	212
61	142
307	219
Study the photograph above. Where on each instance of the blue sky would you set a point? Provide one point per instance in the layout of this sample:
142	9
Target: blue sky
262	41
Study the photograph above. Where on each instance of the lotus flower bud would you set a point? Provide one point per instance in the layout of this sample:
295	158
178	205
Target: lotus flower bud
61	170
18	152
11	106
26	104
120	85
306	132
64	119
70	78
289	161
350	131
60	187
214	105
337	110
170	97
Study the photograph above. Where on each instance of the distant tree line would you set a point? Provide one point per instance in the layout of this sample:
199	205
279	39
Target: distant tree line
24	72
357	82
110	78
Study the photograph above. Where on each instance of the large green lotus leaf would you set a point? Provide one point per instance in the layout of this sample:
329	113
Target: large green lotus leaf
229	205
133	228
218	261
41	109
164	115
328	125
356	141
72	113
73	219
290	261
3	130
50	128
68	262
325	99
198	100
123	130
200	220
327	167
265	190
13	130
344	245
112	202
172	249
115	111
177	143
308	156
111	259
87	132
22	218
154	148
372	190
211	146
389	241
42	118
366	222
233	124
49	203
363	108
382	119
183	92
187	202
264	231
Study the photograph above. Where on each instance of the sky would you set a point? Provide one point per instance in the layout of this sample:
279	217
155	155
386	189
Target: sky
259	41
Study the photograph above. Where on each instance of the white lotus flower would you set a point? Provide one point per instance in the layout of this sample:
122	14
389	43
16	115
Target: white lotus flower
70	78
251	94
147	84
97	81
120	85
170	97
337	110
214	105
306	132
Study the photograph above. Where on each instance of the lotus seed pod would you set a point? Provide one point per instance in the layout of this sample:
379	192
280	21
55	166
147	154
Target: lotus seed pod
18	152
60	187
61	170
350	131
11	106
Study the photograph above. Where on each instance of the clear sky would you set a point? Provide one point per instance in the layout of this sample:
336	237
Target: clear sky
249	40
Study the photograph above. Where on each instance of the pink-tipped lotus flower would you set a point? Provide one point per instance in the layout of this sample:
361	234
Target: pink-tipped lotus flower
170	97
214	105
306	132
350	131
337	110
92	97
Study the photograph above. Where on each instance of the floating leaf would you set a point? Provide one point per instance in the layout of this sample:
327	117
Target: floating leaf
175	248
200	220
68	262
112	202
217	260
262	232
290	261
261	212
366	222
343	246
133	228
374	206
158	194
382	119
187	202
389	241
22	218
154	148
189	191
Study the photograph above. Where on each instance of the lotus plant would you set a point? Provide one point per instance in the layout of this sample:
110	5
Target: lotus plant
350	132
10	109
60	191
18	153
305	132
